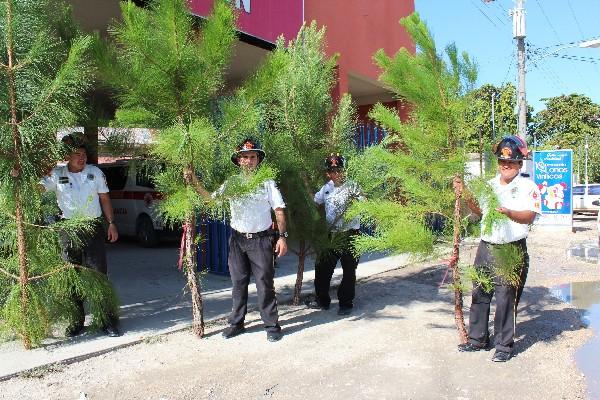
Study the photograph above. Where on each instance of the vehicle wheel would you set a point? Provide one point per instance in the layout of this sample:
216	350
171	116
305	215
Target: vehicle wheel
145	232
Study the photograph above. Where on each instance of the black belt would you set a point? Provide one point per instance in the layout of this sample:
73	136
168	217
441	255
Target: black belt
255	235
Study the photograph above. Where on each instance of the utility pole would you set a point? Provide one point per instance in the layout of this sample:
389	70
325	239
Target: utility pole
518	14
587	146
493	117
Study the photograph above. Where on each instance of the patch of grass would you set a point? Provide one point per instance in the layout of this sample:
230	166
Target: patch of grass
156	339
40	372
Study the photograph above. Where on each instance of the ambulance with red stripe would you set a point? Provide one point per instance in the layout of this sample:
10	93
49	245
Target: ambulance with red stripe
134	200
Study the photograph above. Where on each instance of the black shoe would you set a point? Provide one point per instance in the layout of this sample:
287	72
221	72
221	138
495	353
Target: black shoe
233	330
501	356
470	347
74	330
111	331
344	311
274	336
315	305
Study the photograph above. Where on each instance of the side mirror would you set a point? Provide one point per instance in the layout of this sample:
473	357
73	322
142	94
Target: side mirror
596	202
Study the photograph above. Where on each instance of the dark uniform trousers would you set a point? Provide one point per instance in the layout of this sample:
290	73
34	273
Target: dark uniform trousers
91	253
507	300
253	256
325	265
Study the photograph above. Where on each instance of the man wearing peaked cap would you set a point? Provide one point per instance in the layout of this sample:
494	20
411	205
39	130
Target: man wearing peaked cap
519	200
336	197
81	191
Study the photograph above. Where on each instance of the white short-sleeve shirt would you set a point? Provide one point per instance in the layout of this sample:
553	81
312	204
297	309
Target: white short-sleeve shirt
77	192
336	201
520	194
252	213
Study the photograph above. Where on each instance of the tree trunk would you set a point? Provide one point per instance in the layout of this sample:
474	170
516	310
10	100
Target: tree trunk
16	172
459	318
193	283
302	250
191	265
23	270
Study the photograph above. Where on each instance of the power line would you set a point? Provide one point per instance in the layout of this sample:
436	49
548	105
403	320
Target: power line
567	44
578	58
580	31
576	21
503	21
485	15
556	34
510	67
547	19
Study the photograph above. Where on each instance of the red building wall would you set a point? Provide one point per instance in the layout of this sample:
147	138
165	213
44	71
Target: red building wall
263	19
356	29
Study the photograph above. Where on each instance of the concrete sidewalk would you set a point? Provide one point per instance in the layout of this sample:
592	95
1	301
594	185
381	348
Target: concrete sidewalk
154	302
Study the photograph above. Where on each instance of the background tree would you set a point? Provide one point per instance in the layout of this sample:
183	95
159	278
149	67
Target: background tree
479	115
44	71
169	73
301	125
407	178
565	123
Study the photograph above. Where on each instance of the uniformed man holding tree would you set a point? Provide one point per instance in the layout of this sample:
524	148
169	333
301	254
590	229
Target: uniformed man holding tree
519	201
336	197
251	242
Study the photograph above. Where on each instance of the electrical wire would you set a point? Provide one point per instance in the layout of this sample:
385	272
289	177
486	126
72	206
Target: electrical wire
591	60
576	20
580	31
547	19
485	15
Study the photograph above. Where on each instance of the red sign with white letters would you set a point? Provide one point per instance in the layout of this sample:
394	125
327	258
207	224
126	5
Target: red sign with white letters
264	19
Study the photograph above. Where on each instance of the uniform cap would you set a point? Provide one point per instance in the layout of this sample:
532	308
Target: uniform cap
74	141
335	161
511	148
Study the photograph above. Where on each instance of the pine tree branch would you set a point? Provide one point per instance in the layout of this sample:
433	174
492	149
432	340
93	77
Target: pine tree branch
56	84
5	272
63	268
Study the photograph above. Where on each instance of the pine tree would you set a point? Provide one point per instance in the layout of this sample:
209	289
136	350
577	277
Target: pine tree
301	126
168	70
44	72
407	178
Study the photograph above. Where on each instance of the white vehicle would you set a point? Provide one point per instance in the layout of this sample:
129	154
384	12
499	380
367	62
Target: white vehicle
584	197
597	203
134	200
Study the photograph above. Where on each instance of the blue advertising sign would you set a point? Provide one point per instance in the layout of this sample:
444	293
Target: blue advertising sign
553	174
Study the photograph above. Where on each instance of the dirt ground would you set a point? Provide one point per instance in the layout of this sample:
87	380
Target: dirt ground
400	343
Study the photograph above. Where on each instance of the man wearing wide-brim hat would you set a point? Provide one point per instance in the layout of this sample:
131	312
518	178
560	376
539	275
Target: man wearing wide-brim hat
251	247
251	243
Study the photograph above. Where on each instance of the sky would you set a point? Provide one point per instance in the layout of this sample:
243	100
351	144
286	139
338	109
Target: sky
484	30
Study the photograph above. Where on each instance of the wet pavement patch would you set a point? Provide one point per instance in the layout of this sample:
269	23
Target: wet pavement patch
586	297
586	251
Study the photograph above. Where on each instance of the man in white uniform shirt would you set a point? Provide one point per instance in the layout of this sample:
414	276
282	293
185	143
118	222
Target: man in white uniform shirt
81	191
519	200
251	245
336	196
